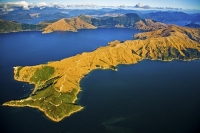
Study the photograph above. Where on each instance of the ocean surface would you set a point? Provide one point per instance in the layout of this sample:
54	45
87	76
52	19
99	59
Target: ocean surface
151	96
180	23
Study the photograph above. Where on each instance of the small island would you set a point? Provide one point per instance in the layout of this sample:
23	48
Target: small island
57	84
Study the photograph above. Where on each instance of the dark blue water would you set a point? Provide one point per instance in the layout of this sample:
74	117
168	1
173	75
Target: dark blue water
151	96
31	48
180	23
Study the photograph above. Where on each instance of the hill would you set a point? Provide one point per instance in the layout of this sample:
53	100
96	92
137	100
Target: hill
167	16
12	26
149	25
9	26
88	22
16	15
70	24
124	21
193	25
58	83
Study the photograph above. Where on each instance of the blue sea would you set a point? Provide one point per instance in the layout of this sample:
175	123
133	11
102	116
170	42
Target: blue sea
148	97
180	23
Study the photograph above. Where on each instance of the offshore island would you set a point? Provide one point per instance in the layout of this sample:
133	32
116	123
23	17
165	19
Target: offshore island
57	84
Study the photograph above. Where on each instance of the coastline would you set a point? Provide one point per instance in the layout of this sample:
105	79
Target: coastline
78	91
46	114
19	31
70	71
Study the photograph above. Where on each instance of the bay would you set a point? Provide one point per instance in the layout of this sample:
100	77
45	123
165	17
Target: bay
151	96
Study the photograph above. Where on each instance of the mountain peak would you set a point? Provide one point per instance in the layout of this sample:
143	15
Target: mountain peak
68	24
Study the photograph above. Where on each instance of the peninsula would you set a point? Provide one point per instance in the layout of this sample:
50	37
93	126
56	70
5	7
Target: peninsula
58	83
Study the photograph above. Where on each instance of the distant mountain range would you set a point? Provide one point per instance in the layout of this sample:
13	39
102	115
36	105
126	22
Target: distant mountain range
54	19
125	21
168	16
50	13
88	22
130	20
10	6
193	25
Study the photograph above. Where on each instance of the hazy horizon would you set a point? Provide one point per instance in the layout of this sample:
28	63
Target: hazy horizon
185	4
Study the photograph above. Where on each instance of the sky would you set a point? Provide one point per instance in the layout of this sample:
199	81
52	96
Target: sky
185	4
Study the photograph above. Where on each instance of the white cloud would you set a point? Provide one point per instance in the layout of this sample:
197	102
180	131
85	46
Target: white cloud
140	5
22	4
7	9
10	6
42	4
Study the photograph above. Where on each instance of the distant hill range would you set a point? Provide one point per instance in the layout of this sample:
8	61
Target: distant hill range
125	21
129	20
45	13
74	23
193	25
12	26
167	16
52	13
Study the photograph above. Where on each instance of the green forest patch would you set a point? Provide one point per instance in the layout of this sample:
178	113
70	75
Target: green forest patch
42	74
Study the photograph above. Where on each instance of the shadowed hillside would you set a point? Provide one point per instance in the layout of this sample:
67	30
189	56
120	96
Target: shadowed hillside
12	26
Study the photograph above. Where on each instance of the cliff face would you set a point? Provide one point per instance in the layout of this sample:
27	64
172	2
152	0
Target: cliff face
58	83
72	24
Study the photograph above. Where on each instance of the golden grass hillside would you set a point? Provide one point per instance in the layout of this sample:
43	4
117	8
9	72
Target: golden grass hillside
68	24
149	25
